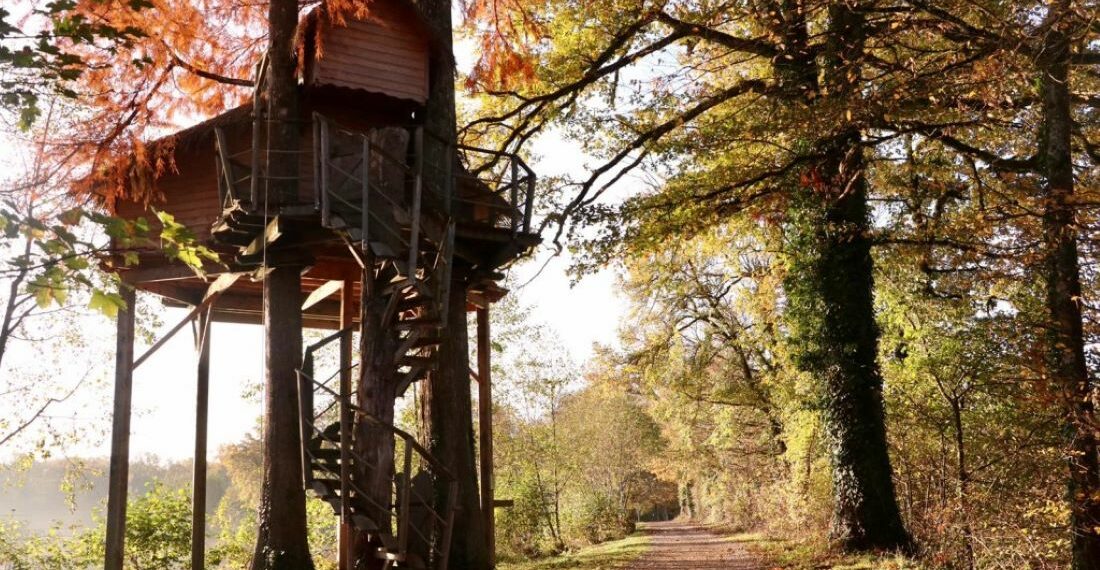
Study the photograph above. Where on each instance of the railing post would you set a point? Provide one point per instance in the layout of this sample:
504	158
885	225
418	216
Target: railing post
226	166
365	220
254	183
346	544
406	496
325	174
449	154
345	441
316	162
514	202
529	204
414	230
305	420
257	115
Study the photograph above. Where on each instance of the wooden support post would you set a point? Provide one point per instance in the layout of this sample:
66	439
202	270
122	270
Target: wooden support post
202	410
120	433
346	555
364	205
418	187
326	177
485	427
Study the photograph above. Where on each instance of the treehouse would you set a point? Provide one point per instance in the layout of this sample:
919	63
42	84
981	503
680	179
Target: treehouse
385	218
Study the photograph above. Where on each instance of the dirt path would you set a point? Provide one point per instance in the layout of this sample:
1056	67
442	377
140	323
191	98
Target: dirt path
683	546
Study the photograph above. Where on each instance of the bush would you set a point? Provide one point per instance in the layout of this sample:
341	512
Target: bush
599	519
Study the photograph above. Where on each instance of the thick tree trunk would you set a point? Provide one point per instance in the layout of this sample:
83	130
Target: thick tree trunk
281	542
830	288
1066	363
448	416
377	393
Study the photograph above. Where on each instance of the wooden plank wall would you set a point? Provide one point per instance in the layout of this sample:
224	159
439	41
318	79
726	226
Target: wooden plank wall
190	194
383	54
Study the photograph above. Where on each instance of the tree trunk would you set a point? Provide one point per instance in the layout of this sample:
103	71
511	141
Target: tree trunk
447	409
377	393
1065	354
829	286
448	415
439	112
281	542
962	475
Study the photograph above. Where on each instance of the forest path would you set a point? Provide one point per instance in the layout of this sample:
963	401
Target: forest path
685	546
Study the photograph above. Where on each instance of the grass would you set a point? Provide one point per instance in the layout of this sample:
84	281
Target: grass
786	554
612	555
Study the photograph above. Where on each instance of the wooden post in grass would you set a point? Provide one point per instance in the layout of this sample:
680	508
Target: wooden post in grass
117	485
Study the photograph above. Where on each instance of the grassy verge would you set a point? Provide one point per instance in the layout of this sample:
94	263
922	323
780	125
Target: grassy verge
612	555
787	554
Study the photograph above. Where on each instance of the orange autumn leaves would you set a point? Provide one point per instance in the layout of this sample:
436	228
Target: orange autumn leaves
507	32
189	64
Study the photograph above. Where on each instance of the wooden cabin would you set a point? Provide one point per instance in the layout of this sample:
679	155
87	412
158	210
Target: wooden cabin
376	197
367	79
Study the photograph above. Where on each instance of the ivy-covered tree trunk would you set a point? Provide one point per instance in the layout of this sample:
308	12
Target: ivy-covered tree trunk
281	543
1065	351
829	287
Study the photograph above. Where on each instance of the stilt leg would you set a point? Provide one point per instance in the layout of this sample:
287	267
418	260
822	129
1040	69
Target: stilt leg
198	481
120	433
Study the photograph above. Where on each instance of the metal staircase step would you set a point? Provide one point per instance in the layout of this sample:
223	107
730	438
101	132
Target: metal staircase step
414	302
427	341
417	361
326	465
388	541
363	523
326	487
325	453
418	323
401	284
382	250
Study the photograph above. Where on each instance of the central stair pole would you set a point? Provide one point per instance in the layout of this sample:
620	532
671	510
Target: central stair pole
346	542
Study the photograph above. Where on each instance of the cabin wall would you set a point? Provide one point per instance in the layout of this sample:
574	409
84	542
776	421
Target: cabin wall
190	194
383	54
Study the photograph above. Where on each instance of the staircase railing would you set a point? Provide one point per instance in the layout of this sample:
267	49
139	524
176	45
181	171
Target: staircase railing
437	532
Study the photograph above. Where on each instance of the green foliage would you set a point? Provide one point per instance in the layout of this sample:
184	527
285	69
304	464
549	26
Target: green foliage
573	455
158	529
45	61
601	518
63	253
158	537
